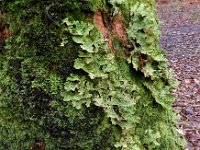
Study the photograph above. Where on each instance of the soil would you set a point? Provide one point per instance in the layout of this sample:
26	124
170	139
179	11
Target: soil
180	38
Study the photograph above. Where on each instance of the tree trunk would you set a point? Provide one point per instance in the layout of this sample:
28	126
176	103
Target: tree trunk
85	75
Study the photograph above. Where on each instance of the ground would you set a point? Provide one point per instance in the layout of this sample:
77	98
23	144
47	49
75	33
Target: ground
180	37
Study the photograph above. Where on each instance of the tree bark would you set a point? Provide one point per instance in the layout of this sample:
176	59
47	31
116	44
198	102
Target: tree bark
84	75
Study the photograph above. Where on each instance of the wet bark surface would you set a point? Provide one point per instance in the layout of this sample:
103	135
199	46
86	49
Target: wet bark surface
180	37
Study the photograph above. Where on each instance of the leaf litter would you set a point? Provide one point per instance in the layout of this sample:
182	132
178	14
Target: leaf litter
180	38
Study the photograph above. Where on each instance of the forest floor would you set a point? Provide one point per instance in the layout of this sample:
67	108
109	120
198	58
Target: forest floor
180	37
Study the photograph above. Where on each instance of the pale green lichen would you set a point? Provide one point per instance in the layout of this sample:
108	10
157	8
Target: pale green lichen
135	96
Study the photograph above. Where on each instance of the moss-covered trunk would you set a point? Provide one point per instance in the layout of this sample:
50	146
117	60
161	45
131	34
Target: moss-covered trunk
84	75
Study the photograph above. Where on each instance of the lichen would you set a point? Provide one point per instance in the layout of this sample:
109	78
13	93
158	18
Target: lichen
122	86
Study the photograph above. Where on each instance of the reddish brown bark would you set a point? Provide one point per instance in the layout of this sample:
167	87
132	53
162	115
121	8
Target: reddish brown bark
110	29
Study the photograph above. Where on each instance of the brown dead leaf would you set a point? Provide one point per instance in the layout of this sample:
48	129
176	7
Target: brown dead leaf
182	89
196	81
198	92
194	1
187	81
